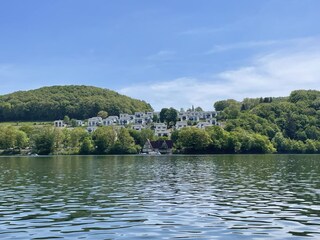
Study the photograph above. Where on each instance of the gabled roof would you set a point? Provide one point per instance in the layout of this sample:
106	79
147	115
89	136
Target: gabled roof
161	144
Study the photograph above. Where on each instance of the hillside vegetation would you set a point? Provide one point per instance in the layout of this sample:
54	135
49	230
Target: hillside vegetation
290	123
261	125
79	102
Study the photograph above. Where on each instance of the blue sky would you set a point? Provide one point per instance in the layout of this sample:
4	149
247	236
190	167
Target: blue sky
169	53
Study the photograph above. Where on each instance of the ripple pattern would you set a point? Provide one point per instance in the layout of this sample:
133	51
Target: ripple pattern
160	197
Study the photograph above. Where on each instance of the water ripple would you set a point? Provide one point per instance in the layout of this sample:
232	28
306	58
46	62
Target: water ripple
165	197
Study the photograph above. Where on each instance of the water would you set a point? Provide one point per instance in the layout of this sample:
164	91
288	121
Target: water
160	197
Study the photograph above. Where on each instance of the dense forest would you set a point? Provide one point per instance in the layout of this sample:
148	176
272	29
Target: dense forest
78	102
291	123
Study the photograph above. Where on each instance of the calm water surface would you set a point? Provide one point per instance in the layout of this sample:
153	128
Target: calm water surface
160	197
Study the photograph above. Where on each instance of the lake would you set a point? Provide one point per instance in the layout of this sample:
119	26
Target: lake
160	197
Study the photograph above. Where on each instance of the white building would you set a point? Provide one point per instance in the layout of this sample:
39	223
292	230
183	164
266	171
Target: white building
137	127
161	130
110	121
203	125
195	116
126	119
79	123
181	124
59	123
93	123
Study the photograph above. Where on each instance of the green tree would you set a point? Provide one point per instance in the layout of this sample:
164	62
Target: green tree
219	139
66	119
125	143
193	139
11	137
7	137
146	134
86	146
102	114
169	115
21	139
198	109
221	105
104	138
76	136
43	140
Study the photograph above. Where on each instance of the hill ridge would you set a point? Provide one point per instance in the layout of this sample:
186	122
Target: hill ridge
76	101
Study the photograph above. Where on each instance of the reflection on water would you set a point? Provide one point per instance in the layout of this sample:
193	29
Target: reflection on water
164	197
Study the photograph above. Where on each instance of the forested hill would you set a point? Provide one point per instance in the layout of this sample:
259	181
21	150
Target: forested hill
79	102
291	123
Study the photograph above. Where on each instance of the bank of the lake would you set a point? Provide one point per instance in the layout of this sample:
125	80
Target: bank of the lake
160	197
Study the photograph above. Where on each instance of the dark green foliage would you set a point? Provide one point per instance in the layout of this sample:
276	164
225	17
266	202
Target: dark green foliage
78	102
192	140
104	139
125	144
217	140
169	115
140	137
292	123
221	105
86	146
43	140
102	114
11	137
198	109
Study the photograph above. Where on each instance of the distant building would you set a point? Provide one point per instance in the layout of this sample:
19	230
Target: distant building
181	124
110	121
79	123
93	123
59	123
161	130
126	119
137	127
141	120
195	116
161	146
203	125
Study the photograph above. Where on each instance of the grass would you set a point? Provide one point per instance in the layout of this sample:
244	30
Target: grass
20	124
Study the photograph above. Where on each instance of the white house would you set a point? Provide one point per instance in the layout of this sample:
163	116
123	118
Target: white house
126	119
139	114
137	127
59	123
139	120
93	123
79	123
195	116
161	130
203	125
110	121
181	124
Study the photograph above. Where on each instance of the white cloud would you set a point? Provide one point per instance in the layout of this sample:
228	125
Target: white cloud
6	69
275	74
163	55
284	43
241	45
203	30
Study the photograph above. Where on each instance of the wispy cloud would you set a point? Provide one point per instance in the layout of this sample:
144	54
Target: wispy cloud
163	55
6	69
274	74
202	31
285	43
241	45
